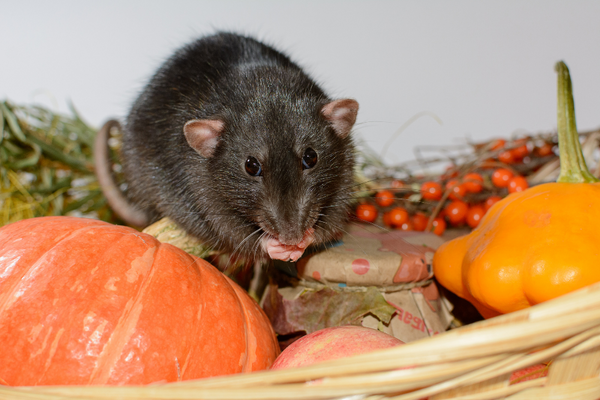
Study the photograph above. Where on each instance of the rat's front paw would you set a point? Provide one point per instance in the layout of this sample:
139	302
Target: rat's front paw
287	252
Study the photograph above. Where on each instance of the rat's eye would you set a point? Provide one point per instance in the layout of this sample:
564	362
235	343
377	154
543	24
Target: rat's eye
309	158
253	167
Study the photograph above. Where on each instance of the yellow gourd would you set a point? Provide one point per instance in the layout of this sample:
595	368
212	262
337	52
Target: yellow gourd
534	245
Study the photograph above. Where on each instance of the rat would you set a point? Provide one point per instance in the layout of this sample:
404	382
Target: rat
240	147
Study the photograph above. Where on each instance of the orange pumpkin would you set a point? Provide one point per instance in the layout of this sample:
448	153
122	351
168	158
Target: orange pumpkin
533	245
86	302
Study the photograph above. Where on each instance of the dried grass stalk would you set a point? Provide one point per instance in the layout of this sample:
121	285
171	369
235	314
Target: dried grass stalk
46	165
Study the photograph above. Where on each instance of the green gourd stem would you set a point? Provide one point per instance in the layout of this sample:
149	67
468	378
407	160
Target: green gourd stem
572	164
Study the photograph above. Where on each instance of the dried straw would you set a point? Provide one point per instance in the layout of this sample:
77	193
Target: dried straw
46	165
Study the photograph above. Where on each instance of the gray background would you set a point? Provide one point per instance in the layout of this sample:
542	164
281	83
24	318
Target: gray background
485	68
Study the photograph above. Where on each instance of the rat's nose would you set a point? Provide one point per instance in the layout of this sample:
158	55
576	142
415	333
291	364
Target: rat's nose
290	236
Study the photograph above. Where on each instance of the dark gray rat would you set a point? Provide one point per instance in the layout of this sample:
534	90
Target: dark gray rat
237	145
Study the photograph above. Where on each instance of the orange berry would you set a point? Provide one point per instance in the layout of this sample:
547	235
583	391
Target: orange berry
438	226
517	184
456	212
419	221
431	190
398	216
545	150
501	176
498	144
473	182
457	190
384	198
407	226
490	202
386	219
366	212
520	151
507	157
474	215
396	184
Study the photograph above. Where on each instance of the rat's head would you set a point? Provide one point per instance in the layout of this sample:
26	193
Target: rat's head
282	162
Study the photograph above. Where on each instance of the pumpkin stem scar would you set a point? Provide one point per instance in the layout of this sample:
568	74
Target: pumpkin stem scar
572	163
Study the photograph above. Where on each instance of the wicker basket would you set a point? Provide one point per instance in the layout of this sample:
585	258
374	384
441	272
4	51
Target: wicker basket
472	362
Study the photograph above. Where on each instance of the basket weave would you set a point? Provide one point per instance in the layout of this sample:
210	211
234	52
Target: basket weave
472	362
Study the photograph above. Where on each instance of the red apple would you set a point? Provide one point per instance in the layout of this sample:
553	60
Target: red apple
333	343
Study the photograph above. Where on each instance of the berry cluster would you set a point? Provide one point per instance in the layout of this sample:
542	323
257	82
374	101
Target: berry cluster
462	195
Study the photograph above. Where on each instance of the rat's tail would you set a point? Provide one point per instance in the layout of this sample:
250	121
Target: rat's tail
115	198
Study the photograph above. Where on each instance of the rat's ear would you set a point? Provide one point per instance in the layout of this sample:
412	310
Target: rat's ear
203	135
341	114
